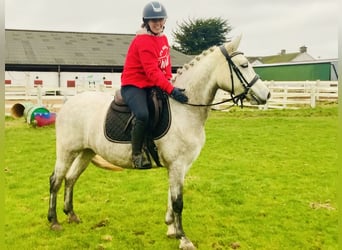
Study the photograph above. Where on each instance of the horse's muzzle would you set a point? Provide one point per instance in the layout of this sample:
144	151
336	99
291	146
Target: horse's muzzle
258	99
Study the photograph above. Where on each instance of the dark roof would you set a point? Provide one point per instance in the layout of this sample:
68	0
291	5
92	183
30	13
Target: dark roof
73	49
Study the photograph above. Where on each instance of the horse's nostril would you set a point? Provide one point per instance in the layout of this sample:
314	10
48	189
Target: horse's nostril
269	95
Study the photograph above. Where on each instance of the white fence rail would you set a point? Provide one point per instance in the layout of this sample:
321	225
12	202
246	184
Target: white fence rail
51	98
283	94
294	94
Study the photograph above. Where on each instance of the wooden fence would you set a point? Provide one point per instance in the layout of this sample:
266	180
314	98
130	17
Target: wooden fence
283	94
51	98
295	94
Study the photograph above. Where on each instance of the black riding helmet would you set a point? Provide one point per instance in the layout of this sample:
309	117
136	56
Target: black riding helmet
154	10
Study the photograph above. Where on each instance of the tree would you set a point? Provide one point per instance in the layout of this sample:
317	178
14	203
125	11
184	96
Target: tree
195	35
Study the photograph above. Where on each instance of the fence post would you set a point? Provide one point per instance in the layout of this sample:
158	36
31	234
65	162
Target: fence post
313	94
285	95
318	94
271	88
39	95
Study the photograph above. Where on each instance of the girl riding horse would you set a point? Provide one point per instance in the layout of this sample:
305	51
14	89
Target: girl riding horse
147	64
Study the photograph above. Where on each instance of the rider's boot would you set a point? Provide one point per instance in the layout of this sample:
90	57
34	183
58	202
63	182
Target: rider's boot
139	160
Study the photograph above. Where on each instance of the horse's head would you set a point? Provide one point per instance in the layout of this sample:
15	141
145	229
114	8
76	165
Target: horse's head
239	73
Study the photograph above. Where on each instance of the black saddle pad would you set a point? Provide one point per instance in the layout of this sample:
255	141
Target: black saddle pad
117	127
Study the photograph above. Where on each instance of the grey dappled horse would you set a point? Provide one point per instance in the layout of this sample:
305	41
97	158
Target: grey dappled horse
80	130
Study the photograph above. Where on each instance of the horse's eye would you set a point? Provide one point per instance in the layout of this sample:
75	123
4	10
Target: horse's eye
245	65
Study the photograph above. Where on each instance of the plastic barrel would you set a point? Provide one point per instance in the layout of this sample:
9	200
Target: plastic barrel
44	120
17	109
29	111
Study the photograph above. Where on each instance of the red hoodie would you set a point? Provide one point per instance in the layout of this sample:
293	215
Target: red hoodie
148	63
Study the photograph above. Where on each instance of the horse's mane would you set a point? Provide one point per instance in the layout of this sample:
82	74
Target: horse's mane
195	60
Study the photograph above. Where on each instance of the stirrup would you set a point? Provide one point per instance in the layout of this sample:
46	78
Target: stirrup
140	162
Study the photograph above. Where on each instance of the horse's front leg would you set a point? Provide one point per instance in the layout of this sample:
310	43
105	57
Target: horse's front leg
174	212
170	218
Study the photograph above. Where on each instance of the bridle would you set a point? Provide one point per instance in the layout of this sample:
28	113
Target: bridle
233	68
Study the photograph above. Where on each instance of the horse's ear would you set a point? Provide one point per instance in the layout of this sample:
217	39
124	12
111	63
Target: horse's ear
234	44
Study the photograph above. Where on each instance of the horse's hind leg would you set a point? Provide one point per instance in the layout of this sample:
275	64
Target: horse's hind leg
78	166
56	179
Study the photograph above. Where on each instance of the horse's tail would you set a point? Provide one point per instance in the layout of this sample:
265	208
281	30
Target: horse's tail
98	161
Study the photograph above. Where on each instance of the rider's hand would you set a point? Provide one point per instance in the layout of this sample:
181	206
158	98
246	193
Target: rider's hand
178	95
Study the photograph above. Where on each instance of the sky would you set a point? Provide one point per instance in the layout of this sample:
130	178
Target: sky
266	26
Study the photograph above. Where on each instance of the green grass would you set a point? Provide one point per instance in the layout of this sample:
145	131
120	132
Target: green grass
264	180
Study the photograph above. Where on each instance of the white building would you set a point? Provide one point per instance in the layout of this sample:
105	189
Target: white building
60	59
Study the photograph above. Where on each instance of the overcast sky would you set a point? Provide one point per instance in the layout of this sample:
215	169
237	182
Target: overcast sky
267	26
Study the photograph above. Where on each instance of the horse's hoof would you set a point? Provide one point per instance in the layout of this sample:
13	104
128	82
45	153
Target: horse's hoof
56	227
186	244
73	219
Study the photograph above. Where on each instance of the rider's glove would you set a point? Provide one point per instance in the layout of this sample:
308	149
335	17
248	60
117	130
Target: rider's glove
178	95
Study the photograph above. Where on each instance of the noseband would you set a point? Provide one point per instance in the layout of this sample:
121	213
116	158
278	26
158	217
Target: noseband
233	68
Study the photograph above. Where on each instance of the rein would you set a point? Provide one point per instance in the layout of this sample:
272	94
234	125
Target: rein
217	103
232	67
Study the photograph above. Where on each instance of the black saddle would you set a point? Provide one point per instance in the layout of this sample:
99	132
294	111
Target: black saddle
118	122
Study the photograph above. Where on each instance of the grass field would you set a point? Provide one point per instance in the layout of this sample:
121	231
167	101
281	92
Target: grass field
264	180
